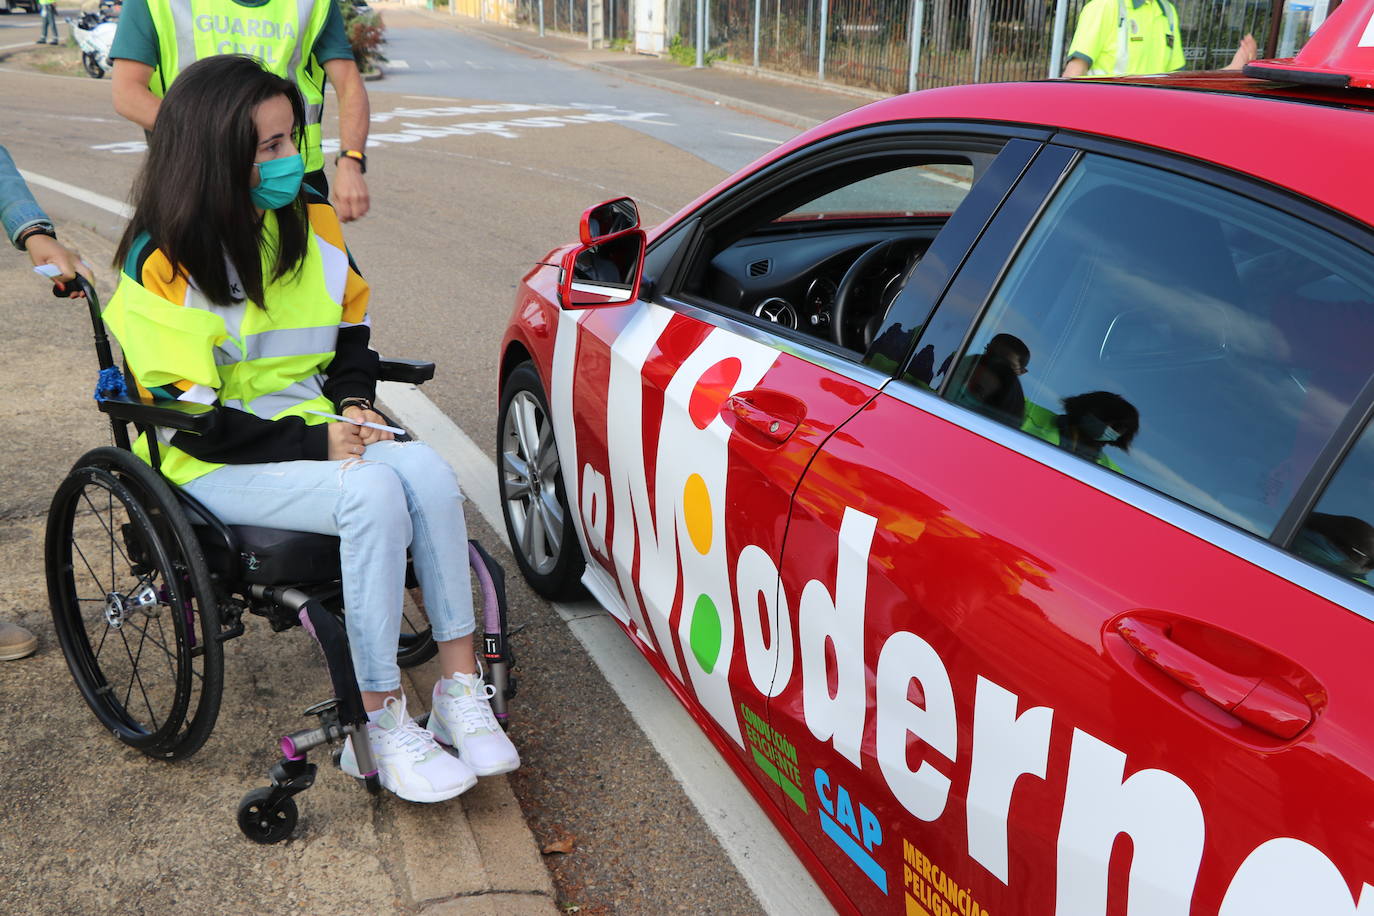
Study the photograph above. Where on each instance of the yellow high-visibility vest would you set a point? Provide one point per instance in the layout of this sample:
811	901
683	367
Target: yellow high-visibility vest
281	34
269	363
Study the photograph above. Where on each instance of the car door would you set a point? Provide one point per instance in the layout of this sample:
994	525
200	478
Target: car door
1083	658
689	419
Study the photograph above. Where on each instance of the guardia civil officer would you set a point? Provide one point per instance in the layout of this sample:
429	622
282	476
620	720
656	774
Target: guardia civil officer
1134	37
302	42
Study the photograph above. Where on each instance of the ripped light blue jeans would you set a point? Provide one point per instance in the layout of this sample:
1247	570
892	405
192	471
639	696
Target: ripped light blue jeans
401	494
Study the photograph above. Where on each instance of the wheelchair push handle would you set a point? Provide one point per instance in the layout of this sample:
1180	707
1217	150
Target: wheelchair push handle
102	341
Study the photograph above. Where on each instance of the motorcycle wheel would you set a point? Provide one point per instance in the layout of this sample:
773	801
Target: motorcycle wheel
92	65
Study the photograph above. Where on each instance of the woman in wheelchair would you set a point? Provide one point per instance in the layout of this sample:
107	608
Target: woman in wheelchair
238	292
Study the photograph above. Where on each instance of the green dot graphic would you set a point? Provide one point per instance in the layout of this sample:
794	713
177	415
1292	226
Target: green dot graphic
705	633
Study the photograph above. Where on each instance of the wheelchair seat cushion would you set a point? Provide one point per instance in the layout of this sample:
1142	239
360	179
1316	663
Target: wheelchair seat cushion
275	556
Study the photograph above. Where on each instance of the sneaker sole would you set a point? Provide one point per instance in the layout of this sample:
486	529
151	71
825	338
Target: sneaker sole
442	737
428	797
423	798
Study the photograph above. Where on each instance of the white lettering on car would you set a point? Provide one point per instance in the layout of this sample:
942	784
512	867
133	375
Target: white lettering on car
1156	810
837	622
1005	747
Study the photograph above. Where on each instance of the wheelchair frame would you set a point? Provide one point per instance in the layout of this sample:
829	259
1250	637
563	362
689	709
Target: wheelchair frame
188	579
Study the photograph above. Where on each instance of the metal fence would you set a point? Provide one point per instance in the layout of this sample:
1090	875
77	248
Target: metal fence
868	43
571	16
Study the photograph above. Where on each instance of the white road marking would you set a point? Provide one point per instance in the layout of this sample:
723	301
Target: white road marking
752	137
109	204
760	854
22	44
396	65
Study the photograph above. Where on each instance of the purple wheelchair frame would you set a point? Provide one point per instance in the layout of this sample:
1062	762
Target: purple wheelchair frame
268	814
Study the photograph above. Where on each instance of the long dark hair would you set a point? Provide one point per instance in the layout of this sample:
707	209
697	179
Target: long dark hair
192	196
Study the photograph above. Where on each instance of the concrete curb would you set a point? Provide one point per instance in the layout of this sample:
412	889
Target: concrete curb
158	824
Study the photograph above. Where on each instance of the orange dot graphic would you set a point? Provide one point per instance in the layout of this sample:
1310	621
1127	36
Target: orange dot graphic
696	505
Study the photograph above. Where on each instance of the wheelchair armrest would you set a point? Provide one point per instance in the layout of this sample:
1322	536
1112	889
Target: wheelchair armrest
186	416
413	371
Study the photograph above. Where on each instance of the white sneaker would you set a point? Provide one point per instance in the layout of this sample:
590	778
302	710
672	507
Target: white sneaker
409	763
461	718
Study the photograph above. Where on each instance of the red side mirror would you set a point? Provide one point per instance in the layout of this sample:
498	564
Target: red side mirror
604	273
608	219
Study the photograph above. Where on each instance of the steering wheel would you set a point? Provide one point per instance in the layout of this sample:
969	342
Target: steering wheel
843	308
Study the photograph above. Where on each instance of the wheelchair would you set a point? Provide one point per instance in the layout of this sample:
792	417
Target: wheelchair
146	585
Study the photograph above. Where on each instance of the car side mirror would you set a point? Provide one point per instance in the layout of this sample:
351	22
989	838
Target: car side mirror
604	273
608	219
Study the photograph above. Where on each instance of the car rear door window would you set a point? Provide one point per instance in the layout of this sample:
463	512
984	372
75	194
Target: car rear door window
1198	341
1338	535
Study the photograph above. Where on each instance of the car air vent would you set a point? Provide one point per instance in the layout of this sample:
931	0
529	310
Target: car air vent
761	268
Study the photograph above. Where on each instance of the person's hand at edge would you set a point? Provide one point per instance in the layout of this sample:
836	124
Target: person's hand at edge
349	193
43	249
1248	51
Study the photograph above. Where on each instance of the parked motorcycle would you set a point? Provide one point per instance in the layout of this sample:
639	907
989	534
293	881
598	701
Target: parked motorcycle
94	34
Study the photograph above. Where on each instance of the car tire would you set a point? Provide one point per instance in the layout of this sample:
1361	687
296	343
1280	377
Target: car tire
534	505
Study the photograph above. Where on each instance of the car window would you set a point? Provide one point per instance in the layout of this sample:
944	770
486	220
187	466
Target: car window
1338	534
826	253
1197	341
918	190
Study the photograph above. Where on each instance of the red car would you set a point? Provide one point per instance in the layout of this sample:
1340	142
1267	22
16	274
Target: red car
989	472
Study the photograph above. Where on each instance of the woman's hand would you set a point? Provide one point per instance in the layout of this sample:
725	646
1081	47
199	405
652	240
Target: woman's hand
368	434
345	441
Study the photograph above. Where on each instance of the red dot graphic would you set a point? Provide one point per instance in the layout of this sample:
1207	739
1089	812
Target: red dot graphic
711	390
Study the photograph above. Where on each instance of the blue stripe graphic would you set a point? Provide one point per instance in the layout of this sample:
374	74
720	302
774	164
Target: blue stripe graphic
854	851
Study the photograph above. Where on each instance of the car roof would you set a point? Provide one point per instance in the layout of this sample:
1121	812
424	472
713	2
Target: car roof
1316	142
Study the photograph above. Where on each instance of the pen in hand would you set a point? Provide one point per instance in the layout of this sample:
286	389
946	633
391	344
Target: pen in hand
396	430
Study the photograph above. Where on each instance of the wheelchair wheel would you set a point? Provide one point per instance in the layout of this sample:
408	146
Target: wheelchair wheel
265	821
133	605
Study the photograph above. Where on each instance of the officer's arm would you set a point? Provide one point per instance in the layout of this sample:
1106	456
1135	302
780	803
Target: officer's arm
132	98
349	195
1077	66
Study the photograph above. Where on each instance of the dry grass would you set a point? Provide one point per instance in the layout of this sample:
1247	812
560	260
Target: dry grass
61	60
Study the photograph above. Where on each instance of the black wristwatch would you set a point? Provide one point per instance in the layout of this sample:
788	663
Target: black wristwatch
346	403
357	156
22	241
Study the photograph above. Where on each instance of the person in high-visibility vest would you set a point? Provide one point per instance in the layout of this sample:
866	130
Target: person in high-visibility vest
1132	38
237	291
1089	423
301	40
48	15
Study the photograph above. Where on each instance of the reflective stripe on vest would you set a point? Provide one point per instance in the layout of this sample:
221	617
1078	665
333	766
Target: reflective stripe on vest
280	34
258	365
1123	36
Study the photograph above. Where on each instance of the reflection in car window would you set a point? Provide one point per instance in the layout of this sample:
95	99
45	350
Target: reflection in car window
1194	340
917	190
1339	534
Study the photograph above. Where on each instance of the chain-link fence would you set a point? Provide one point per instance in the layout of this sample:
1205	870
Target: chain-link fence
868	43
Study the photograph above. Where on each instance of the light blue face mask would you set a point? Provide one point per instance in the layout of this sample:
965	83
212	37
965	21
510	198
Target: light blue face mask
279	181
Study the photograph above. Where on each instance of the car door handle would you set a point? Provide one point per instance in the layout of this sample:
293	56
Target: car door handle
1262	689
766	413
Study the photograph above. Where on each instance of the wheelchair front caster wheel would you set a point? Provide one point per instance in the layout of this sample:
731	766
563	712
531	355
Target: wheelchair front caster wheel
266	820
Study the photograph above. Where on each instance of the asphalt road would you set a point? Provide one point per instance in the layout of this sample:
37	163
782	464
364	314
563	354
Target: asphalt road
465	199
